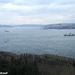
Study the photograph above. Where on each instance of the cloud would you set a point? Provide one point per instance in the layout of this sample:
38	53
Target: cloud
6	1
33	2
42	2
66	2
37	11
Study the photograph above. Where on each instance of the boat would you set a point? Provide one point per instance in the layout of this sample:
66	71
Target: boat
69	34
6	31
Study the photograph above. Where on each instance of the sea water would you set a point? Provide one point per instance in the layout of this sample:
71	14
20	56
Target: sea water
37	41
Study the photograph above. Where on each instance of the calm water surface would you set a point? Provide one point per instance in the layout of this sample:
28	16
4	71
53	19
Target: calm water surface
37	41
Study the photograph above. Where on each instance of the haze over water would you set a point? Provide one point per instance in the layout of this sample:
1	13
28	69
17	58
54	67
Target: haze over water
37	41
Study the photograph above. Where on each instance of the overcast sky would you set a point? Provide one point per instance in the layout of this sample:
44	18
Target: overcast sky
37	11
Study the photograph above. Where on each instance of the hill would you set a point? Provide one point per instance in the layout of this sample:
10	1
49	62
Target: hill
60	26
30	64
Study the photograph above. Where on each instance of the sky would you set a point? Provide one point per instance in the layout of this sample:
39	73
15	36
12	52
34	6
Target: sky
37	11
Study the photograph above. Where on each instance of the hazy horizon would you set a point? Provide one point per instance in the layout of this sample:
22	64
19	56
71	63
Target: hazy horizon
38	24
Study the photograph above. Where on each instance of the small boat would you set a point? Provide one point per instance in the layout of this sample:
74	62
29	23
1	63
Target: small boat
6	31
69	34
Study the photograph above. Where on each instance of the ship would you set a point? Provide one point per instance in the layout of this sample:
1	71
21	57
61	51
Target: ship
70	34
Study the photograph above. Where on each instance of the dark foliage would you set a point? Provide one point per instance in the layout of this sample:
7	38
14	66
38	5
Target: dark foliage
18	67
